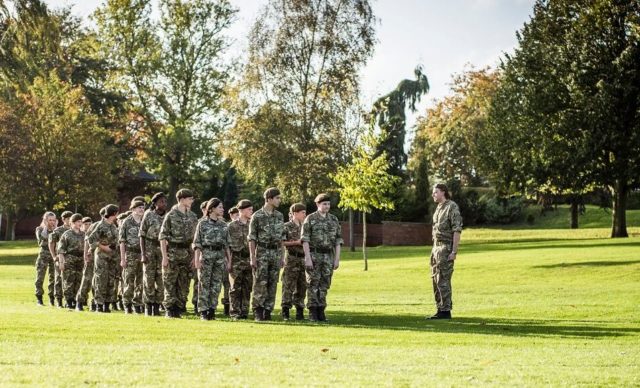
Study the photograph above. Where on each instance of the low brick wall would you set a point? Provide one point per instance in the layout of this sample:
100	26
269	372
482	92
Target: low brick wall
390	233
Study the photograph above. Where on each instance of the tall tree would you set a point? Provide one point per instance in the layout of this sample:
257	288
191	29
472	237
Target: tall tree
296	108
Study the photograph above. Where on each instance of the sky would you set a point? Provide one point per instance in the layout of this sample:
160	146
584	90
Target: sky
444	36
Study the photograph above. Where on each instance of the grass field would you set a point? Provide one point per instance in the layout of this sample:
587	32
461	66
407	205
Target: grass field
531	307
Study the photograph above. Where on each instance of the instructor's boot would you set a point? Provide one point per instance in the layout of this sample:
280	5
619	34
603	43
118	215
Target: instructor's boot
258	314
321	316
39	297
52	301
313	314
128	309
227	310
299	314
285	313
441	315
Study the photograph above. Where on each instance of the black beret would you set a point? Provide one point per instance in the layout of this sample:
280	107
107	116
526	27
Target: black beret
86	219
184	193
271	192
322	198
243	204
157	196
76	217
110	210
297	207
135	204
66	214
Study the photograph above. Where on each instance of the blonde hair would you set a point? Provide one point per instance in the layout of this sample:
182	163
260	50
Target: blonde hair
46	215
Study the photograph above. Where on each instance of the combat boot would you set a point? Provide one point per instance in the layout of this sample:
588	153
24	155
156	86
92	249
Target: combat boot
212	314
114	306
258	314
299	314
148	311
177	312
321	316
204	316
169	313
441	315
70	304
39	297
99	308
59	300
195	308
52	301
156	309
227	310
138	309
105	308
93	305
267	315
128	309
120	304
313	314
285	313
79	306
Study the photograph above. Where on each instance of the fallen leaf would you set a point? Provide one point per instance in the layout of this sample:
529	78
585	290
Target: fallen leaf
324	350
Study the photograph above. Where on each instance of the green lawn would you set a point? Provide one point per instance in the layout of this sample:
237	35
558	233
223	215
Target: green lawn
531	307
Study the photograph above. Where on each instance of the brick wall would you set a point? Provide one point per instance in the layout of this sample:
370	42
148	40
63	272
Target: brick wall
390	233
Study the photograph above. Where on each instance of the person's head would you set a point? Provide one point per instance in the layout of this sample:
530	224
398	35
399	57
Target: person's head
76	221
298	212
111	212
185	198
121	217
86	223
440	193
203	208
245	209
215	208
272	196
66	217
137	208
159	202
139	198
102	211
49	220
323	202
234	213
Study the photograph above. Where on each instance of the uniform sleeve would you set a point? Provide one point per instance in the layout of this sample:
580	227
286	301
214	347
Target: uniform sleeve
455	218
62	245
305	235
94	237
283	236
52	237
143	230
39	235
253	229
122	232
225	237
165	229
338	235
197	238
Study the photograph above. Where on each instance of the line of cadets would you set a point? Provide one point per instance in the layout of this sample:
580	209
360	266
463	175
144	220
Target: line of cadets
146	260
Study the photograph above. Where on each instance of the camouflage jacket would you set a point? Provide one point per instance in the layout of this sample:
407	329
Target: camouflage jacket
71	243
266	228
238	233
211	233
104	233
446	221
150	225
178	227
129	232
42	236
54	236
292	232
322	232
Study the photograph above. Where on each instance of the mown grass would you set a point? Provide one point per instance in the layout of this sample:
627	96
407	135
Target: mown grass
541	307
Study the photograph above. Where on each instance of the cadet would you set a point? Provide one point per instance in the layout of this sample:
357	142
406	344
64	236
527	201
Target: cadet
211	243
53	239
447	227
119	284
153	289
234	214
175	237
240	274
103	240
321	241
128	236
87	270
70	258
266	232
294	282
44	260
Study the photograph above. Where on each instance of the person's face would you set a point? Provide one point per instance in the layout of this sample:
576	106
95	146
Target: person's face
323	207
187	202
234	216
85	226
161	204
67	221
113	218
299	216
437	195
77	225
51	222
218	211
246	213
138	211
275	201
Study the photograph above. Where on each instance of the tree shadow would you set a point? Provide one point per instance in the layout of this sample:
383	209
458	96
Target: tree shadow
588	264
508	246
18	260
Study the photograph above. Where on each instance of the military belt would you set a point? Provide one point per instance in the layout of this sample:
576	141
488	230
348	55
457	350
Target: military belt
152	241
440	242
179	245
75	253
216	247
269	246
322	250
297	255
243	254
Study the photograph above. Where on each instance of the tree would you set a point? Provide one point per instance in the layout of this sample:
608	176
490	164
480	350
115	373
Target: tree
296	108
365	183
172	71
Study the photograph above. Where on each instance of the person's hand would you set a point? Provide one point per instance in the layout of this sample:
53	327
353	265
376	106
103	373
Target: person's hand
254	263
281	263
61	264
165	262
336	264
87	258
194	263
106	248
308	263
452	256
123	263
142	258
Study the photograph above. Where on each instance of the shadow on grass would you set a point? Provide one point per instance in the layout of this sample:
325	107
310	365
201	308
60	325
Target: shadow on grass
554	244
588	264
18	260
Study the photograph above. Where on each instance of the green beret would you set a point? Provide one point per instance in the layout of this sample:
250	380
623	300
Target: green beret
157	196
322	198
184	193
297	207
138	198
243	204
76	217
135	204
122	216
86	219
66	214
271	192
233	210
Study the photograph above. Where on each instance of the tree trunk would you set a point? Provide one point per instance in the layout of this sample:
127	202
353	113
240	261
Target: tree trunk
352	242
364	241
10	231
575	211
173	189
619	227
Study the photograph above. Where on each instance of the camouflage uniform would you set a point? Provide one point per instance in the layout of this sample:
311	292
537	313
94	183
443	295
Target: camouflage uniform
105	264
71	245
211	239
54	238
44	262
322	233
446	221
267	230
294	283
87	274
178	229
128	233
240	276
226	286
153	289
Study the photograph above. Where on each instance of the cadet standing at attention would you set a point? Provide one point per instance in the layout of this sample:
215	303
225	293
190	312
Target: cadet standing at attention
130	259
266	232
70	258
176	236
86	283
447	227
240	274
321	241
153	288
103	241
211	244
44	261
53	242
294	282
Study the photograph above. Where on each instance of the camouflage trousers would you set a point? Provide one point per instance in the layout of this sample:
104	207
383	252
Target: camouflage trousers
210	279
44	262
226	286
294	282
71	276
132	279
57	283
265	280
241	281
441	273
176	277
117	273
153	289
104	276
194	278
319	279
86	284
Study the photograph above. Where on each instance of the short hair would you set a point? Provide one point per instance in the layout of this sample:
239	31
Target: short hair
271	192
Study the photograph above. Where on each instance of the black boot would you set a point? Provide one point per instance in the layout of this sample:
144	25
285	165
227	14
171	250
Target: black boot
227	310
267	315
93	305
59	300
73	303
148	311
169	313
156	310
52	301
161	307
39	297
258	314
120	305
285	313
128	309
178	311
114	306
321	316
99	308
138	309
79	306
212	314
313	314
105	308
441	315
70	304
204	315
195	308
299	314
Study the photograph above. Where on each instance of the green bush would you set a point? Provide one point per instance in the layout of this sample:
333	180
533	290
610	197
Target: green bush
504	210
